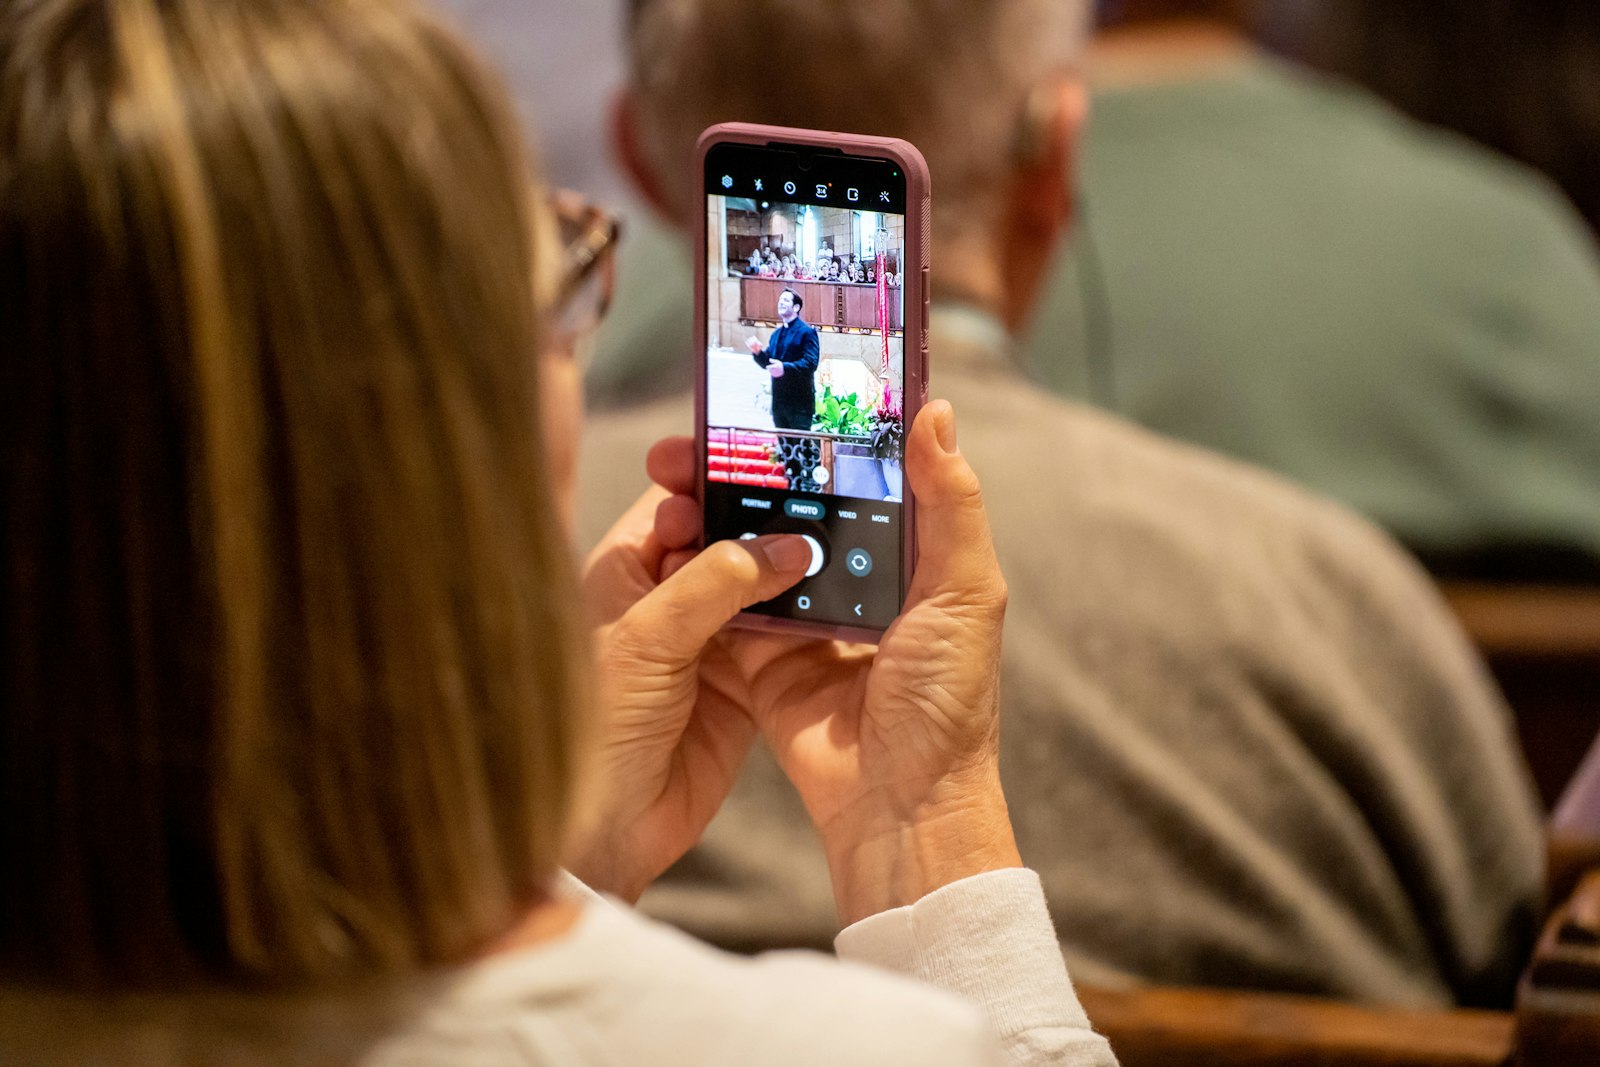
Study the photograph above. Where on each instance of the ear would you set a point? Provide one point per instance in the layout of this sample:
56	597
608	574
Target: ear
1044	176
1043	189
628	146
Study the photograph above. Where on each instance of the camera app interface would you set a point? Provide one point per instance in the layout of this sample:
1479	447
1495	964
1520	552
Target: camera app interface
805	424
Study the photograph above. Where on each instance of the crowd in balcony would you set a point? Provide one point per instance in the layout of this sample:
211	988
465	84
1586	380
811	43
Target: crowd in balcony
764	262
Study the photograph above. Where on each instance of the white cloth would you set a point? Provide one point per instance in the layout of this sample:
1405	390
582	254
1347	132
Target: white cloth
620	989
983	938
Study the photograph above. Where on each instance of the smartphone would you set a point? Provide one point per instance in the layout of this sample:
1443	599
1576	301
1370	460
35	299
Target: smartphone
811	279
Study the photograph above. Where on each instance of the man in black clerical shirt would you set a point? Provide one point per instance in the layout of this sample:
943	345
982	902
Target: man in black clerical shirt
791	356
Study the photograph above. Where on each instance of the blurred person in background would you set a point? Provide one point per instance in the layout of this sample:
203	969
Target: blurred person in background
1275	264
1239	721
562	61
297	712
1521	76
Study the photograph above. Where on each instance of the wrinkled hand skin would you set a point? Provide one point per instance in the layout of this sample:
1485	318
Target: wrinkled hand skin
673	729
894	749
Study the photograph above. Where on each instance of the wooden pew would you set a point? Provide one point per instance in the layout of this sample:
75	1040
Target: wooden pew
1543	644
1556	1022
1211	1028
1558	1000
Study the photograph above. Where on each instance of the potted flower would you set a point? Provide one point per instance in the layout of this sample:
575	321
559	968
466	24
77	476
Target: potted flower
888	435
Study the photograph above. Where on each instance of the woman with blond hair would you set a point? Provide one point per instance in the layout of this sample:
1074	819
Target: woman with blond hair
296	732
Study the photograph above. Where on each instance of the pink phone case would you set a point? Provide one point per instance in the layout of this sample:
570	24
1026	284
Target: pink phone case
915	287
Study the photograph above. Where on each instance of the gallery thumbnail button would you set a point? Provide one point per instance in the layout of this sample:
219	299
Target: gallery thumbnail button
804	509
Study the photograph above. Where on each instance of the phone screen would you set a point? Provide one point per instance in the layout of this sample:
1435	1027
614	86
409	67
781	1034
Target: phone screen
805	370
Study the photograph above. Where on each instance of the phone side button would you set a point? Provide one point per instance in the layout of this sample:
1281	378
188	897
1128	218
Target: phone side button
924	305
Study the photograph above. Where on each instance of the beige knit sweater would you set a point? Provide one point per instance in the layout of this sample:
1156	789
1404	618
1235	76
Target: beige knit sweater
1244	742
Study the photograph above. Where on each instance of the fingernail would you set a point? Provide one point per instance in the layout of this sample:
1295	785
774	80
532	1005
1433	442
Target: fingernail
787	553
944	428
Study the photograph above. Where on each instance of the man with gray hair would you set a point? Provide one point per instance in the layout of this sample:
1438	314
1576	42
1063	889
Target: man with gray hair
1244	742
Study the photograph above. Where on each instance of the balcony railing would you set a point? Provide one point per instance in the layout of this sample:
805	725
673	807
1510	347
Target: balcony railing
828	305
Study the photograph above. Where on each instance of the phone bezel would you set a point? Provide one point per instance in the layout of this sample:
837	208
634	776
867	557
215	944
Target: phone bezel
914	286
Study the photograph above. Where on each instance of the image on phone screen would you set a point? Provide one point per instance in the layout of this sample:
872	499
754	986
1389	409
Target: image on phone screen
805	375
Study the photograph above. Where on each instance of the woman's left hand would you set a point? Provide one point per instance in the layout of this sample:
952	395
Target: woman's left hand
673	732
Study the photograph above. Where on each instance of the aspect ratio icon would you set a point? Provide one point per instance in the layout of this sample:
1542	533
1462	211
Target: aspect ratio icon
822	191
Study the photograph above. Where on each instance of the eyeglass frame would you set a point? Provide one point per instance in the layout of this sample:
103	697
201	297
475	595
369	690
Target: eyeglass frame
588	270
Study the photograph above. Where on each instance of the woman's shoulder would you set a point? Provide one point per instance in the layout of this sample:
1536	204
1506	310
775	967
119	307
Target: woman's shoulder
617	989
621	988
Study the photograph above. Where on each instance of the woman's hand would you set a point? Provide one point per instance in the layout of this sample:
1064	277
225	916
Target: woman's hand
673	731
895	751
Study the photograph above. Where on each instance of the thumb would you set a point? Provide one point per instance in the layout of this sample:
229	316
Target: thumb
955	552
673	623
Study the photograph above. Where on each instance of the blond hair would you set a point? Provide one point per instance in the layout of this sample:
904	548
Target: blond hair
951	76
291	685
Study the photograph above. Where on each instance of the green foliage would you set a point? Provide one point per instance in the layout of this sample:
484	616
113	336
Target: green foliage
844	415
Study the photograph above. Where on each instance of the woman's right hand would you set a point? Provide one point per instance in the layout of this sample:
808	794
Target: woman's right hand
895	750
672	730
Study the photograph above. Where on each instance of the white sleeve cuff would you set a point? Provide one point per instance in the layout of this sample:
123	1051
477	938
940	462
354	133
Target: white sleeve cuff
988	938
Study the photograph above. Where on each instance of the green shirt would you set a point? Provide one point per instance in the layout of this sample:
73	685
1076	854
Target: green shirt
1282	268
